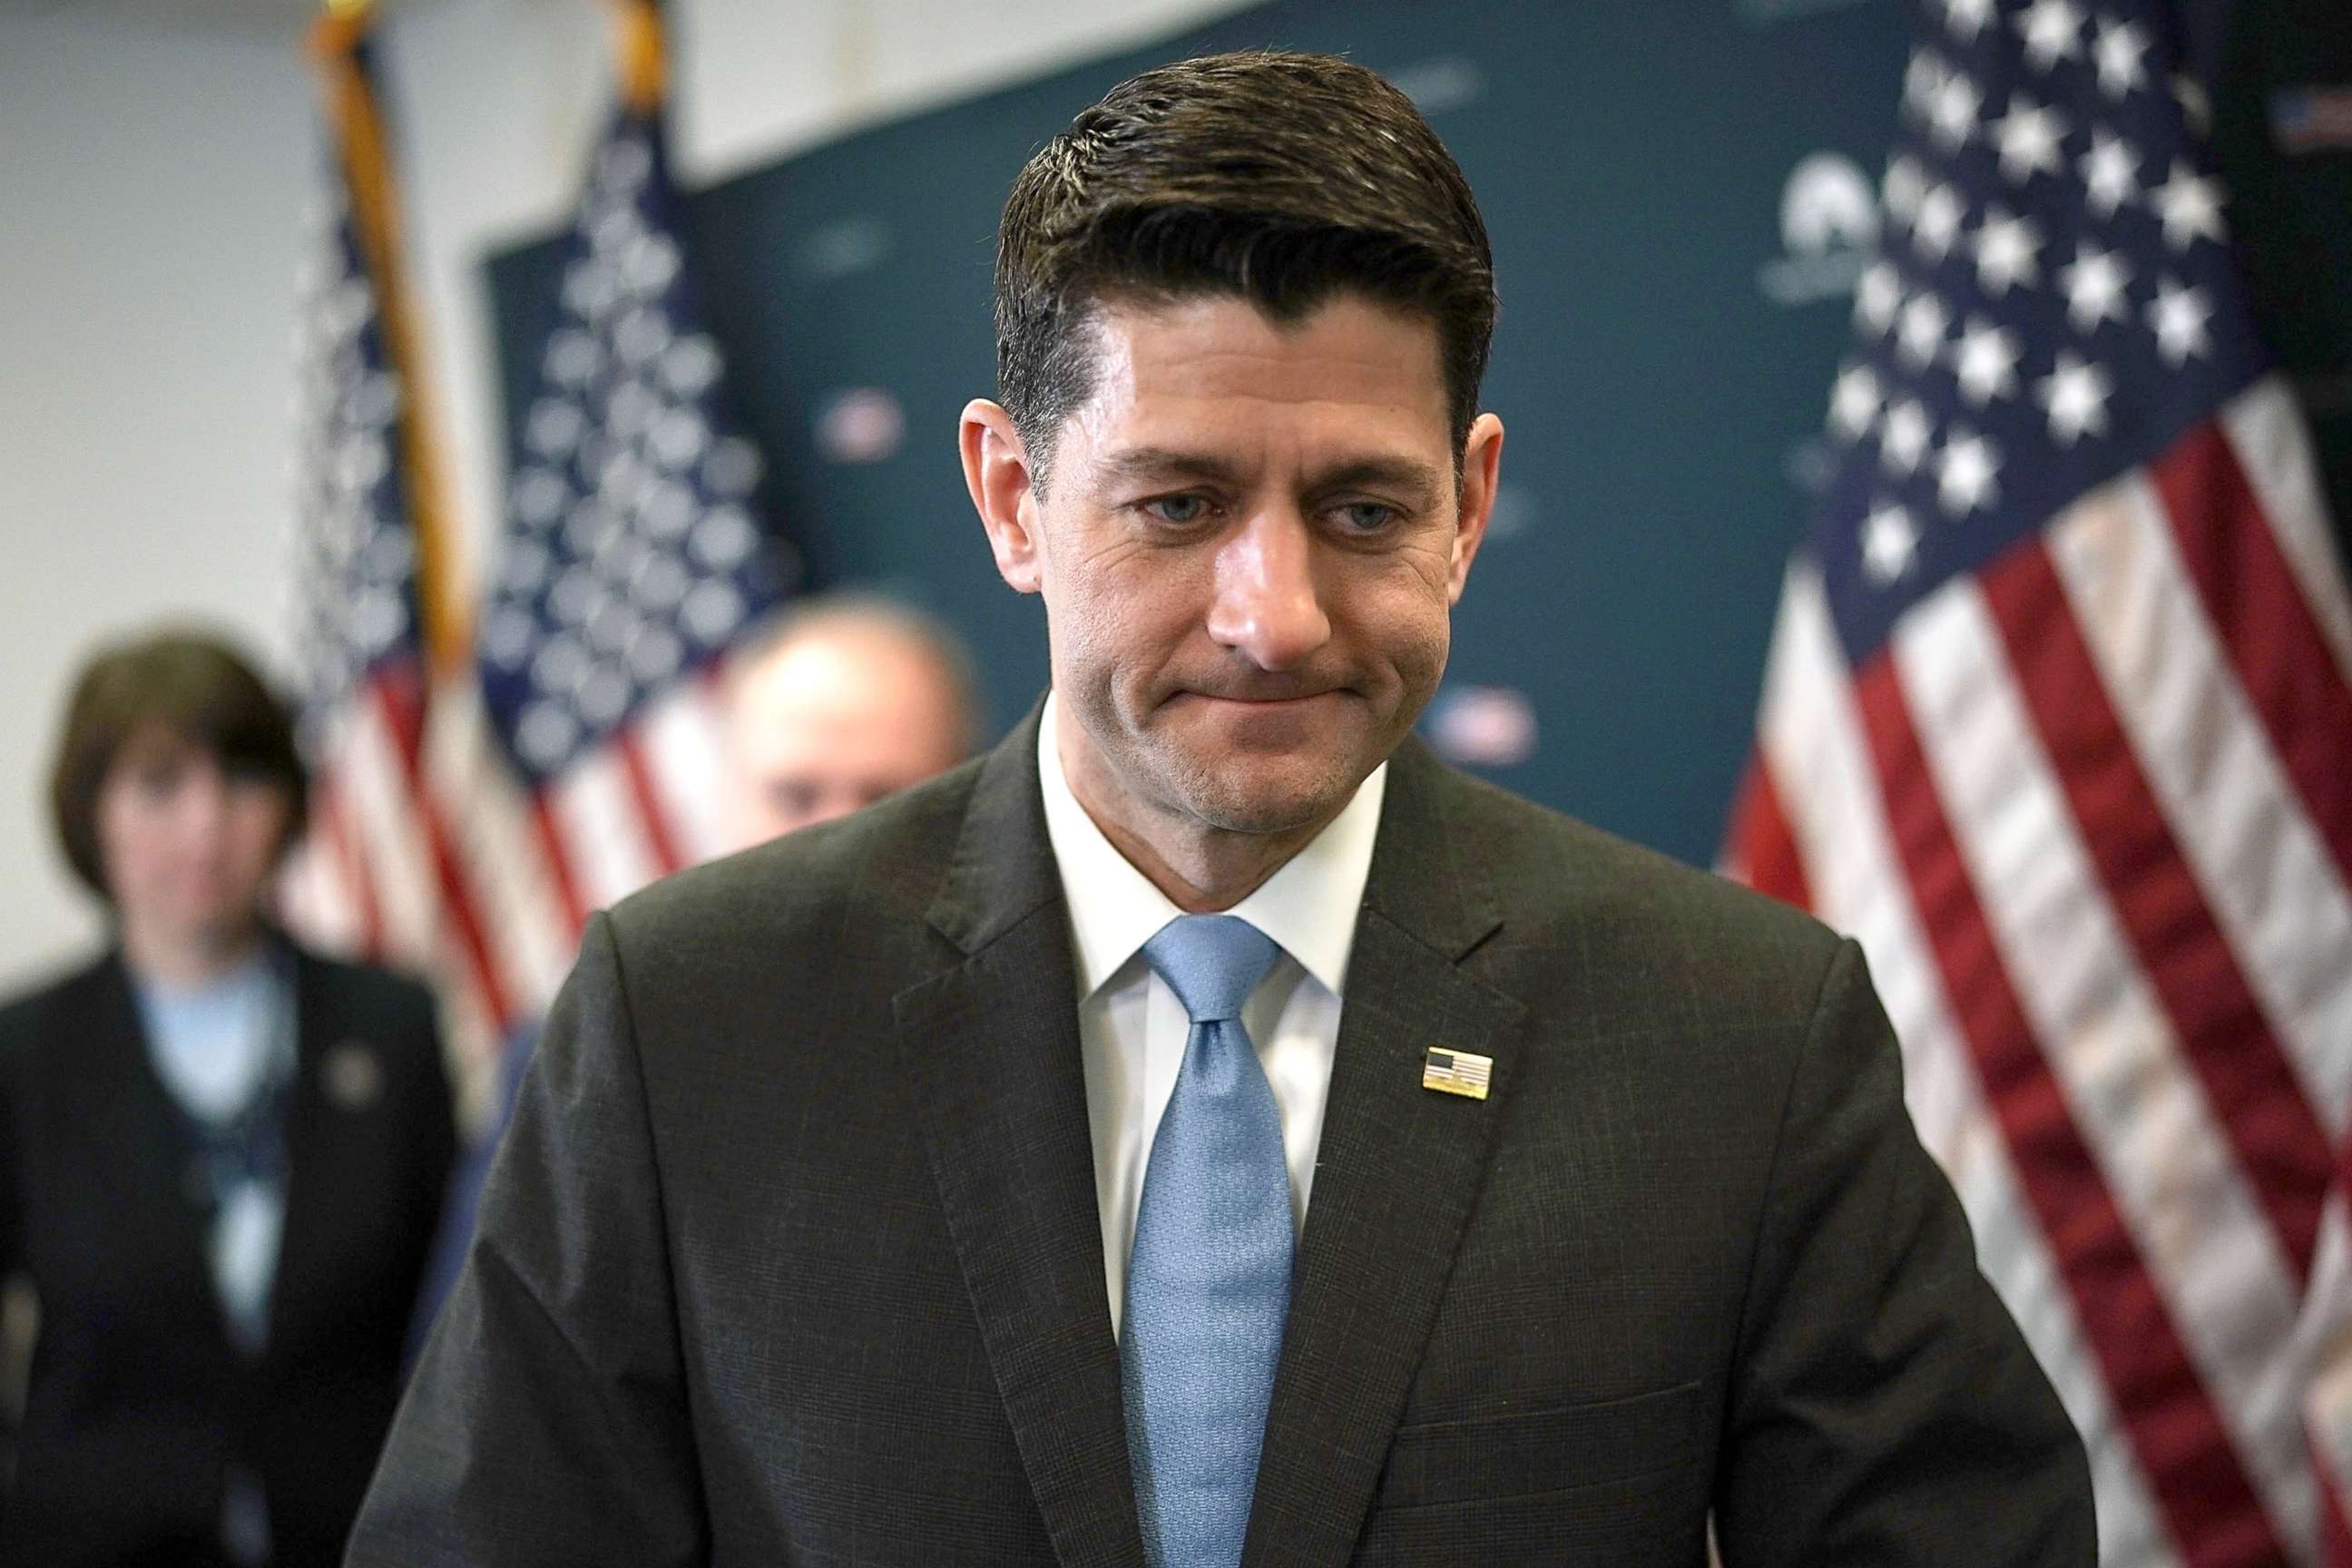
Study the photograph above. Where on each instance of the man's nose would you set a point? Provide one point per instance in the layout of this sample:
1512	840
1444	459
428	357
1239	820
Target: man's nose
1268	604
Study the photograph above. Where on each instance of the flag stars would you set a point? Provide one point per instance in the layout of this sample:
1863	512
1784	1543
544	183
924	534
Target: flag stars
2007	248
2095	288
2119	52
1903	183
1952	113
2110	173
2028	137
1877	297
2075	393
1923	79
2196	105
1921	332
1985	361
2190	206
1964	473
2053	31
555	428
1903	441
623	168
2179	315
1966	18
1853	402
1941	213
1890	542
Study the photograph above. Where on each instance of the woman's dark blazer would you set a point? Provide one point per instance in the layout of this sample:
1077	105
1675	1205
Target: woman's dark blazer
137	1400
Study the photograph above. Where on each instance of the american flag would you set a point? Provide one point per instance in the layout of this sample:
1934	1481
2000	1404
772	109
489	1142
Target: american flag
2057	720
383	870
632	556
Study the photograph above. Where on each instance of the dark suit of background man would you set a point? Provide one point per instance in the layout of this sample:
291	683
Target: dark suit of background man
841	1221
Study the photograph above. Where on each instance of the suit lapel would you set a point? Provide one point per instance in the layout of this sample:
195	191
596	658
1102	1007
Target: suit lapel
1397	1174
991	1047
311	1200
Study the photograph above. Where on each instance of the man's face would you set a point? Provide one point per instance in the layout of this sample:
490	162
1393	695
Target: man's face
1249	546
832	721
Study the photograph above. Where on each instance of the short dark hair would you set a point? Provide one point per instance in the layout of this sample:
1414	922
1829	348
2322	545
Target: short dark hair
1281	178
190	683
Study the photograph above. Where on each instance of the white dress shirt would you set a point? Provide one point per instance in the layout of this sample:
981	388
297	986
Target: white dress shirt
1131	1027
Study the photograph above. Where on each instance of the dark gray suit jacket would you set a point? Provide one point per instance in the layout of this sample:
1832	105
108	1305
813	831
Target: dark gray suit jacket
792	1253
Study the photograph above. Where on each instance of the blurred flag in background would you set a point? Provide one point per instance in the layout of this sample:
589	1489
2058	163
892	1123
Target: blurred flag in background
2058	721
377	608
632	556
482	784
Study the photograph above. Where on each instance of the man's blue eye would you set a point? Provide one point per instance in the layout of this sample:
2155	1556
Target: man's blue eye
1367	516
1179	509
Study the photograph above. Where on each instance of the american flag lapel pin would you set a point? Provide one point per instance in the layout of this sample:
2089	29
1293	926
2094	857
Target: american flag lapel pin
1456	1072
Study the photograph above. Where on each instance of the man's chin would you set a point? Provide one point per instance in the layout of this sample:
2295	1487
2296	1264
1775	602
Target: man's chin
1258	795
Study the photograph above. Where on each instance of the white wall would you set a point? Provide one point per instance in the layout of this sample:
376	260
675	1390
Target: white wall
151	196
155	173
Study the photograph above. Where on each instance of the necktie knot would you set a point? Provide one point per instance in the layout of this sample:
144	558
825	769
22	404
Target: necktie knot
1213	963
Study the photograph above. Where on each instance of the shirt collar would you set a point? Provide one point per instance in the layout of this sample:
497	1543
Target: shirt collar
1309	906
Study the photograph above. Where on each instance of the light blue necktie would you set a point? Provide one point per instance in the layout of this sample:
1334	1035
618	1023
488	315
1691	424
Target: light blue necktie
1208	1283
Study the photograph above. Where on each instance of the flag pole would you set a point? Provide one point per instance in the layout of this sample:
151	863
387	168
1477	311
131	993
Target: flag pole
641	52
336	41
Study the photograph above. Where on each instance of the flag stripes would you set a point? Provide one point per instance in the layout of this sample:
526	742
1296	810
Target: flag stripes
2180	1437
2057	722
378	614
653	811
2222	1036
2325	1346
2218	784
1838	827
632	559
686	747
2274	453
2255	601
2168	1162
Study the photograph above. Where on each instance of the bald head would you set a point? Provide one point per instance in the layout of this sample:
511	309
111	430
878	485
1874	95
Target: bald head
849	701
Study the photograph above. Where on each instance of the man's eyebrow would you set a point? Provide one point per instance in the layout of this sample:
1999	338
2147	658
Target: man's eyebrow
1417	480
1154	463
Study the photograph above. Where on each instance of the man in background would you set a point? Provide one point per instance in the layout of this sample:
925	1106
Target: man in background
847	699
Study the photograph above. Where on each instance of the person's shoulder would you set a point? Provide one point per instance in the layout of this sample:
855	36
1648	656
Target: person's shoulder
394	1012
42	1007
372	988
1624	910
884	862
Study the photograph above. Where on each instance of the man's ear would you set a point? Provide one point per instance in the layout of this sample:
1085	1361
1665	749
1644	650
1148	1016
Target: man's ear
996	471
1482	461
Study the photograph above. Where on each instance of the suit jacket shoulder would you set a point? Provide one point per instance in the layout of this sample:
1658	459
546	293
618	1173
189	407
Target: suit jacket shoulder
44	1011
369	988
1645	938
795	898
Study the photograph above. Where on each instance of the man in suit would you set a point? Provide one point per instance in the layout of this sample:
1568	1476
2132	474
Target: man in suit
1207	1129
